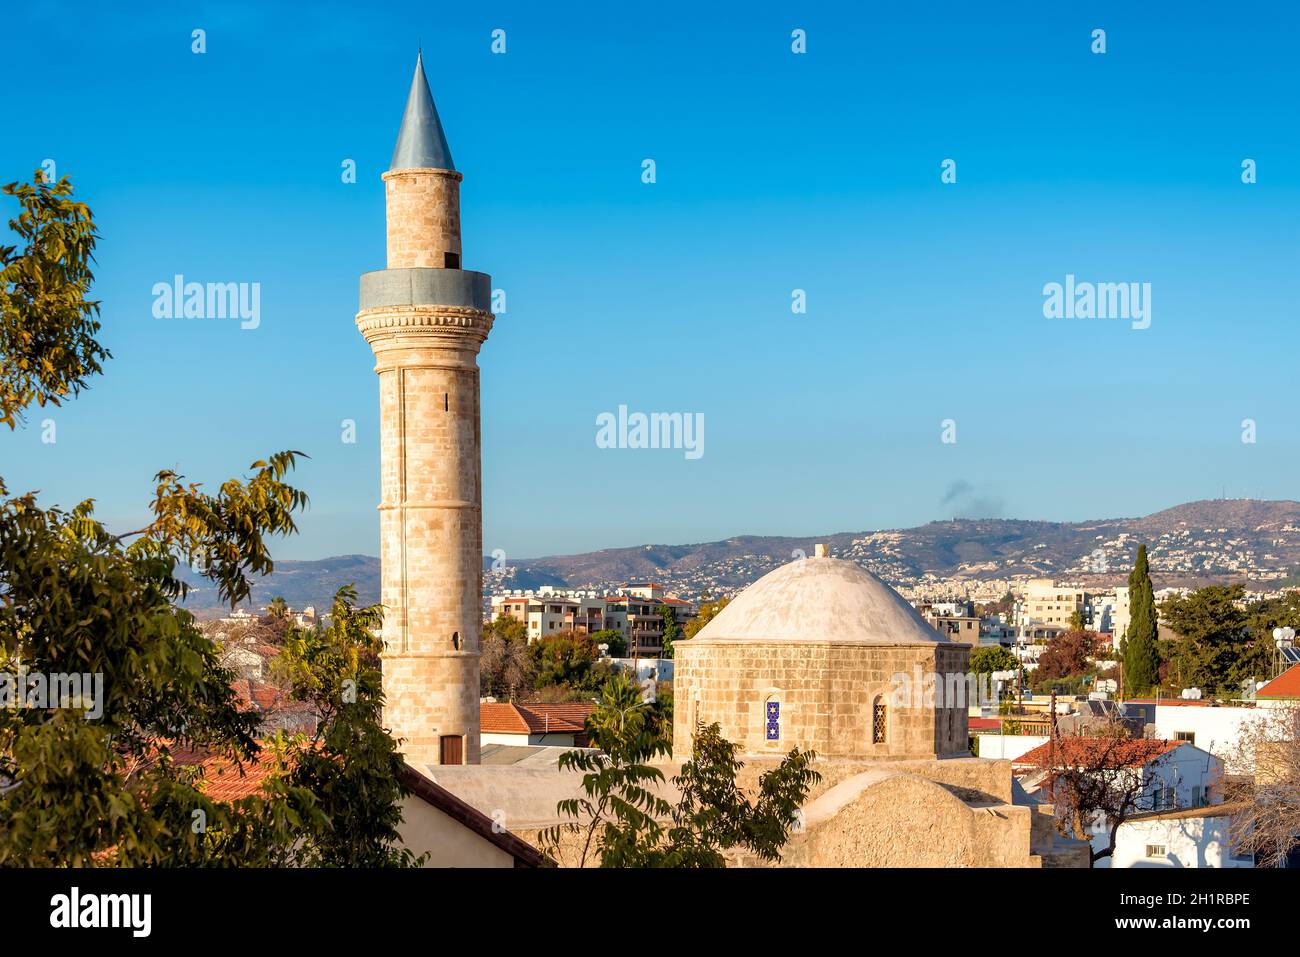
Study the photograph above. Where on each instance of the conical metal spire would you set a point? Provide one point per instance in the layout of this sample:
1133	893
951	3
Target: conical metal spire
421	142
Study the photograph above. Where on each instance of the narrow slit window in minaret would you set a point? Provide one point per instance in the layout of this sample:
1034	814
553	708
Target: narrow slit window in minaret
455	640
446	404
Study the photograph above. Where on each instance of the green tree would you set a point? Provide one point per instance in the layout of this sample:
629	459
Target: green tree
1213	637
990	658
614	639
1141	660
350	765
622	821
564	658
671	631
1260	661
100	782
48	349
507	627
278	608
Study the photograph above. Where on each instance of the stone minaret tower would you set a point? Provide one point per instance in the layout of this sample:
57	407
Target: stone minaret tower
425	318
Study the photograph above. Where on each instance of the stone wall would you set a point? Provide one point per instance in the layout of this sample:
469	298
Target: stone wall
430	508
826	696
910	821
423	217
431	533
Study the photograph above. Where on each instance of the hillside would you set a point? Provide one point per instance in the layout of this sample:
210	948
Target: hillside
1212	540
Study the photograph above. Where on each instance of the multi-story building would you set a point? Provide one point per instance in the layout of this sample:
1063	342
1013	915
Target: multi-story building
1119	614
957	627
636	613
996	630
1053	604
542	615
640	619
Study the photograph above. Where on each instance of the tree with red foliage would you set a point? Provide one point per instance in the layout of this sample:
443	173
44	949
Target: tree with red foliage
1067	654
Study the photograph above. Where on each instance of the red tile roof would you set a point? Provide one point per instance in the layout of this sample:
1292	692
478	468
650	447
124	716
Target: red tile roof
1286	685
1074	751
534	717
574	713
983	724
266	697
501	719
222	780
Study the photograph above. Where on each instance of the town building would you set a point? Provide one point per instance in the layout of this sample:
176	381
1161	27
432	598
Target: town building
435	822
1188	837
1172	774
956	619
636	613
535	724
1052	604
1120	614
1282	692
1160	775
1219	729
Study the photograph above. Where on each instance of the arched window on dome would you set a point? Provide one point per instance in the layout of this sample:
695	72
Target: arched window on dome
772	718
879	721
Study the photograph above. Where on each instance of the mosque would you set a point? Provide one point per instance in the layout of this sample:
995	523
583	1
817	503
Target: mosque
808	656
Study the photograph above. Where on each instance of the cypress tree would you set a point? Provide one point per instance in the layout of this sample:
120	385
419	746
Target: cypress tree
1141	661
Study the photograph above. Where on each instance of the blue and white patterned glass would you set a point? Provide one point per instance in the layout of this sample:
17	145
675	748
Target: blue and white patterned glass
774	721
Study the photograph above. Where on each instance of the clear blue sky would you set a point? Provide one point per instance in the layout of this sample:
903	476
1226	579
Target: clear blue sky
775	171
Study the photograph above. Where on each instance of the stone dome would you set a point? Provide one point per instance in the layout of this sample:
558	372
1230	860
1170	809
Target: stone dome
824	600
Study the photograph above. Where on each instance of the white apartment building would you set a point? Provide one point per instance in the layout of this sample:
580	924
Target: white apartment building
1172	775
1120	614
636	613
1214	729
1053	604
1192	837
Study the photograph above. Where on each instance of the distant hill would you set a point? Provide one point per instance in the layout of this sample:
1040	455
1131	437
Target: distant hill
1212	540
1200	541
300	583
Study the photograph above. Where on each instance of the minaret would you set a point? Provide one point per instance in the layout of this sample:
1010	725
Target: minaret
425	318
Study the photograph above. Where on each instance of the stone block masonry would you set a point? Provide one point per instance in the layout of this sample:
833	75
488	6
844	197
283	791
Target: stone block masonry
425	320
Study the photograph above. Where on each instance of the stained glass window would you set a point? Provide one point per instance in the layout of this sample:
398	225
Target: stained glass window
774	721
